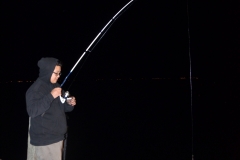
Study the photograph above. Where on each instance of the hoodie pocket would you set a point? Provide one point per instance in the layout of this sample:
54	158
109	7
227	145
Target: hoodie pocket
54	125
49	125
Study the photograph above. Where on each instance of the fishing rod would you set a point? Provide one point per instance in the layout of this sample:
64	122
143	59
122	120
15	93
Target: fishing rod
89	49
100	35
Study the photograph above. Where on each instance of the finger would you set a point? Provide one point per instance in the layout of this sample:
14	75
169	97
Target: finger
73	103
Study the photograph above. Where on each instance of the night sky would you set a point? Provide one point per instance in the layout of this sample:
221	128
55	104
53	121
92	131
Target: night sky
149	40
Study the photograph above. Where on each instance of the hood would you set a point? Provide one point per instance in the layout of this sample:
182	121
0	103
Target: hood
46	68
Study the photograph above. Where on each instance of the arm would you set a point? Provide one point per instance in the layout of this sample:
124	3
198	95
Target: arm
38	103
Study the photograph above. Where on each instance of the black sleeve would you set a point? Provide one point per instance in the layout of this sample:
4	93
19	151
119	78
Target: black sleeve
67	107
37	102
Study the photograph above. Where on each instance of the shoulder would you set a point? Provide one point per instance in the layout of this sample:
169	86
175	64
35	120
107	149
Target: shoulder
36	86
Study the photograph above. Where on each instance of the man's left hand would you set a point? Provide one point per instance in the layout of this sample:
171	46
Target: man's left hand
71	101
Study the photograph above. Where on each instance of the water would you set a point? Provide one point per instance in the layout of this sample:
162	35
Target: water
138	119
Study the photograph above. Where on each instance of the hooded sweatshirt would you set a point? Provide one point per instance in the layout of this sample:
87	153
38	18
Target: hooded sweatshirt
48	119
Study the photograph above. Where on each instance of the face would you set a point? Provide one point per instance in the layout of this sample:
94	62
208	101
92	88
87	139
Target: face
56	74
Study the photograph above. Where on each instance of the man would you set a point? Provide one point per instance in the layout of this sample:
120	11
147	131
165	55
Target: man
47	112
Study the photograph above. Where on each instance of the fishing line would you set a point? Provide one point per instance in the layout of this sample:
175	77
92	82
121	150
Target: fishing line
190	74
100	35
106	28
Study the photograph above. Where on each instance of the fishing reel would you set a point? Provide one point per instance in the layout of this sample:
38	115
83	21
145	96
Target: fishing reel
65	96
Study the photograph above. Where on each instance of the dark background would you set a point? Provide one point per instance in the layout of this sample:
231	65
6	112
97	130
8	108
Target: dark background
150	40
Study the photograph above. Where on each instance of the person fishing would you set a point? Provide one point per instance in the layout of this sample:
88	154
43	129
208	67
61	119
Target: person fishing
46	109
47	122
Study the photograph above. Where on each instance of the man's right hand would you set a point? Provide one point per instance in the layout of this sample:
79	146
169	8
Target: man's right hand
56	92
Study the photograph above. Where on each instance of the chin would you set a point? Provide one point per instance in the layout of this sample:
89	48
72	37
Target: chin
54	82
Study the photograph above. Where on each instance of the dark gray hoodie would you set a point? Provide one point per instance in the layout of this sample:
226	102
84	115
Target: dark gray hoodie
48	120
